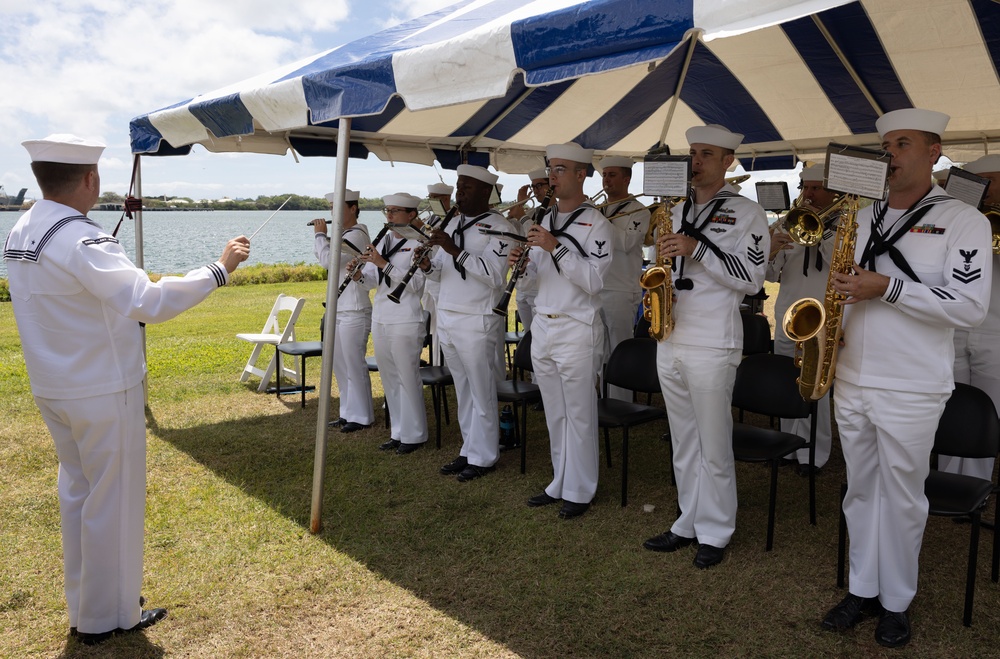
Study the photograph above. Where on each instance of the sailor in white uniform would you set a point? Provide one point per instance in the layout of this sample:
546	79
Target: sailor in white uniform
803	272
440	192
570	259
720	245
471	267
354	322
977	349
925	268
398	329
78	302
629	220
528	289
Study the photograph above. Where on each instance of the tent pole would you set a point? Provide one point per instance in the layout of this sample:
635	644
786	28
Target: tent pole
140	262
330	325
847	65
677	91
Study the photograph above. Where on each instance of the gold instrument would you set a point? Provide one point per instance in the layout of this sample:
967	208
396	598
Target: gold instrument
816	328
804	225
503	208
657	279
736	180
992	214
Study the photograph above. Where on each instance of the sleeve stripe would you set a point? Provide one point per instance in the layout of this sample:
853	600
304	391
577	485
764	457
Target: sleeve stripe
895	290
699	251
220	276
462	258
561	252
735	267
943	293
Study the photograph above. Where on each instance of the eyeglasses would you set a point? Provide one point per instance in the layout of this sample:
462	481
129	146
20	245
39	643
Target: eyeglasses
538	186
558	170
392	211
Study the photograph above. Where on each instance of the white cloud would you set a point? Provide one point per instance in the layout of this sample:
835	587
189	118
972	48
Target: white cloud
404	10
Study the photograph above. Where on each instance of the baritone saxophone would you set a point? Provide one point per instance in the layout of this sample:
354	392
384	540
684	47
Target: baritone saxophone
657	279
816	328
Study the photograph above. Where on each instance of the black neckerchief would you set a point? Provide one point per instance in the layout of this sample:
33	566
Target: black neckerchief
392	250
352	245
561	232
459	237
879	243
694	230
619	208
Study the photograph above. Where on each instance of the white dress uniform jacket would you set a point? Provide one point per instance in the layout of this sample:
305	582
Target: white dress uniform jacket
470	287
78	301
567	344
354	321
697	363
803	272
398	335
526	290
894	375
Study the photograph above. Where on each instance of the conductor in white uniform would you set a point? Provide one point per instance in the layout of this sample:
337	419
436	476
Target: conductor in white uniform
720	245
925	268
78	301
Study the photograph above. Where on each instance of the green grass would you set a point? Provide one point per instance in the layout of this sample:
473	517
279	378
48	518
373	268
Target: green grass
412	564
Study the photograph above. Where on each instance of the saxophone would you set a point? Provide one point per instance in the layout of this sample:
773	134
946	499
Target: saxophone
658	279
816	328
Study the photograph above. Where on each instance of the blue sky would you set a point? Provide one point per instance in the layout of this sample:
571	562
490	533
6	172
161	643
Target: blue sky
89	66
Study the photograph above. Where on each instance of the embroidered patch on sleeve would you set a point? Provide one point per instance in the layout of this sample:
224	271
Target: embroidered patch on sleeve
98	241
754	253
967	273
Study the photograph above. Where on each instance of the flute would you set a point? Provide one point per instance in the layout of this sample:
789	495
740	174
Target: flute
397	293
359	264
517	270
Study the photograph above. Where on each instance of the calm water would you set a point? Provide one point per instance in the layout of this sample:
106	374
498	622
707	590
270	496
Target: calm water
179	241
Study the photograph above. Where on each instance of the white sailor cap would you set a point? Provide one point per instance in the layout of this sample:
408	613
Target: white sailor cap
941	175
64	148
401	199
440	188
570	151
478	173
349	195
715	135
614	161
536	174
812	173
984	165
912	119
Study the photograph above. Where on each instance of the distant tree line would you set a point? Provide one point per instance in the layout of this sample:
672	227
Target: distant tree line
261	203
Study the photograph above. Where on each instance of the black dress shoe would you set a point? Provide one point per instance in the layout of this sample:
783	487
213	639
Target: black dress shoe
339	422
390	445
668	541
142	603
708	556
455	466
542	499
851	610
472	472
406	449
570	510
146	619
350	426
893	629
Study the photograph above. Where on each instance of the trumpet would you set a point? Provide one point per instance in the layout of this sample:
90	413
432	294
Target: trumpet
806	226
397	293
992	213
358	263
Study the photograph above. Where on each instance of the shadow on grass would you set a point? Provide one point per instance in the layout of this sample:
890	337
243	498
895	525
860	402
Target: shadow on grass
545	587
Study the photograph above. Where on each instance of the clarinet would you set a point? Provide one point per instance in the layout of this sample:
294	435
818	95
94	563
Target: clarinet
516	271
397	293
360	264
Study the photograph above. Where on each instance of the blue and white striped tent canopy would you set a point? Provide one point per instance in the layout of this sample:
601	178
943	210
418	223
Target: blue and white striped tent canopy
494	81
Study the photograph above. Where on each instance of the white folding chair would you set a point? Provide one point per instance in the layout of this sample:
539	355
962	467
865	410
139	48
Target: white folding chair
273	334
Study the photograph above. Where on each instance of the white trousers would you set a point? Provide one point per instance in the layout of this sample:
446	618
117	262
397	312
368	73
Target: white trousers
397	352
977	362
824	430
697	386
101	446
566	354
618	310
468	342
887	438
499	325
350	368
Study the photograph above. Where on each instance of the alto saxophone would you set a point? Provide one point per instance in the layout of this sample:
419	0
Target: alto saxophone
816	328
657	279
